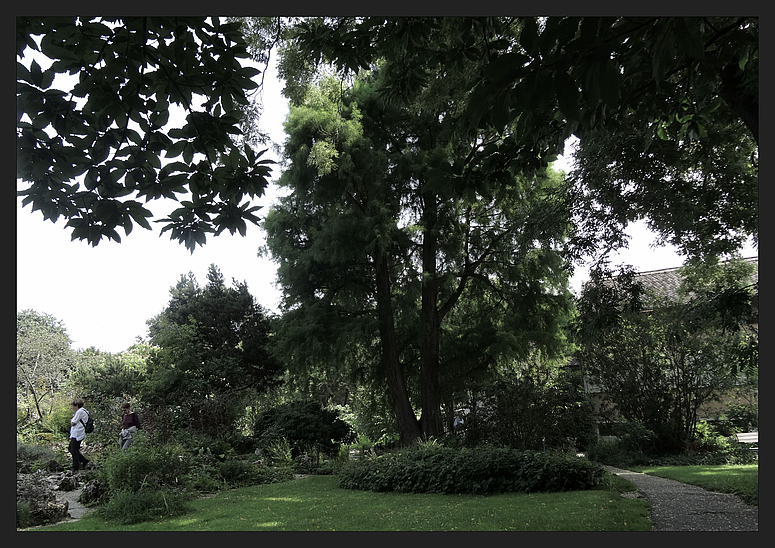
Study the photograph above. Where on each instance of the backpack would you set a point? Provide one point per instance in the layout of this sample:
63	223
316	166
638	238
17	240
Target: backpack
88	426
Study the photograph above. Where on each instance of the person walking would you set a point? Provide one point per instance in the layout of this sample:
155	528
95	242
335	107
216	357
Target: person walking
130	424
77	434
459	421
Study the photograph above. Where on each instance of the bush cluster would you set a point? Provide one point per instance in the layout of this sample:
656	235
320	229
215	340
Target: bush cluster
479	471
633	447
306	426
23	513
151	480
128	507
145	465
241	473
36	456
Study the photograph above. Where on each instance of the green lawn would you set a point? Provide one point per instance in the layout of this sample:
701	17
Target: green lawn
739	479
316	504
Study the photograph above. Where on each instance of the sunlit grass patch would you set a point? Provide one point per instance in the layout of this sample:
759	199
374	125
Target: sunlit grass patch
317	504
738	479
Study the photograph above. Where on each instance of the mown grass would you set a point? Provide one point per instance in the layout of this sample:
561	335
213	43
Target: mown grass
317	504
738	479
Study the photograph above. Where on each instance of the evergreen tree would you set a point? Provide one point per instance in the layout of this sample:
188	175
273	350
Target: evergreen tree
378	245
213	345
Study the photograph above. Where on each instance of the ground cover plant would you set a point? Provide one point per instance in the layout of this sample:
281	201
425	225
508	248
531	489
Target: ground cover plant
316	504
739	479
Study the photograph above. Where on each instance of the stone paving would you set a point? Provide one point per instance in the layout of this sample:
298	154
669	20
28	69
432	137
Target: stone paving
75	509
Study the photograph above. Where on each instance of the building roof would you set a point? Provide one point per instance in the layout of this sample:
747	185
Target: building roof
665	282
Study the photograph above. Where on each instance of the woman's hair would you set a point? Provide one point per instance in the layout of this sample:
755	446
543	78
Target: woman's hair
125	405
78	402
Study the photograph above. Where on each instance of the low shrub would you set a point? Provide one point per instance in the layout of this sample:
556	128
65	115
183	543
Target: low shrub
127	507
328	468
478	471
29	453
273	474
305	464
145	465
708	439
241	473
616	454
58	421
202	445
202	478
710	447
635	437
740	454
311	465
279	453
40	457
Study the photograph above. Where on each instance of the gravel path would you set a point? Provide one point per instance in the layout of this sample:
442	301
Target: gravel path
677	506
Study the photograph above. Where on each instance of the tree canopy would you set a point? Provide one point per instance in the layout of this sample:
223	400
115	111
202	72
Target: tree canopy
91	152
95	100
689	81
44	358
212	341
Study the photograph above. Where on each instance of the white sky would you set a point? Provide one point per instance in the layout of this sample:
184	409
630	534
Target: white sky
104	295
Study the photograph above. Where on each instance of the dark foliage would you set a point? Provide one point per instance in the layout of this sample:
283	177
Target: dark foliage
534	411
111	126
480	471
306	425
212	354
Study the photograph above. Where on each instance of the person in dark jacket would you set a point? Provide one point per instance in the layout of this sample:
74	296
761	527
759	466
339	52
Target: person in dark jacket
130	424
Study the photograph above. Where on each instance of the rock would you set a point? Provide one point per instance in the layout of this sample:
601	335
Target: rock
23	467
54	466
48	513
66	482
93	492
36	492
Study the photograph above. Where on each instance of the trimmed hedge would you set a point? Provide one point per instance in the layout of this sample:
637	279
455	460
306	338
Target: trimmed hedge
478	471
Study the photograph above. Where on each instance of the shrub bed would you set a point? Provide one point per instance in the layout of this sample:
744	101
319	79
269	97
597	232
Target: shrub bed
478	471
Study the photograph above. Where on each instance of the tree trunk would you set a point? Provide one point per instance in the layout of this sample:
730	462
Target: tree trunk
408	427
430	393
430	398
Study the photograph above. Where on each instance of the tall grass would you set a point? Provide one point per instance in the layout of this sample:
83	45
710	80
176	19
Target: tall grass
317	504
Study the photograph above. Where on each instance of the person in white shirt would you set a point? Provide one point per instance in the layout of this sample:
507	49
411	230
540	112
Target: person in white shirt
77	434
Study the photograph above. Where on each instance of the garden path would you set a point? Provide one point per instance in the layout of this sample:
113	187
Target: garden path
678	506
75	509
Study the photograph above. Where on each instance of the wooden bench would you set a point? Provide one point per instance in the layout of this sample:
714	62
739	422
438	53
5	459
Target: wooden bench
749	437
